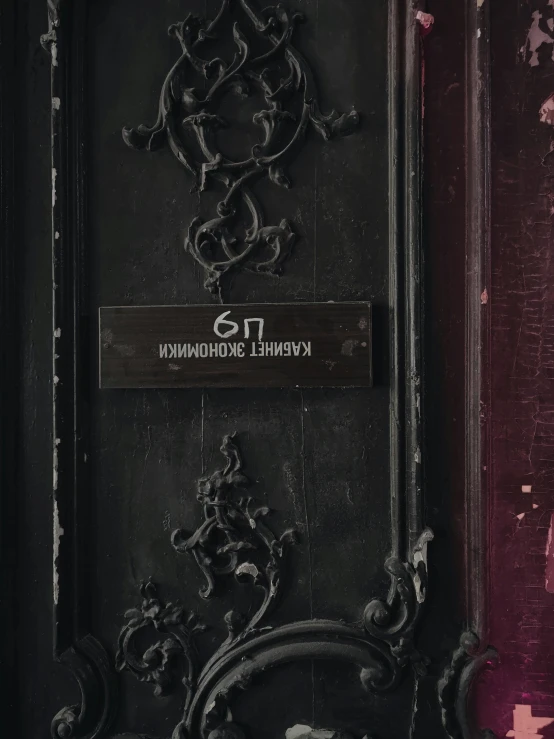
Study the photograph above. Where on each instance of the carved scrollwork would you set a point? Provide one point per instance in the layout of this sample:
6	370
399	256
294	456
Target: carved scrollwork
157	664
189	121
91	718
234	539
454	687
394	620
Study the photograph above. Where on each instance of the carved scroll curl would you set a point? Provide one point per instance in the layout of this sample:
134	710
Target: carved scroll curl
189	121
455	684
394	620
91	668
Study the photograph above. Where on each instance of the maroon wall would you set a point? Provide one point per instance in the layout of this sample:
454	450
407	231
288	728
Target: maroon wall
518	697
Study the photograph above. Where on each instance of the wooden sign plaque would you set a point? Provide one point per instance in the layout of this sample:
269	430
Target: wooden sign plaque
252	345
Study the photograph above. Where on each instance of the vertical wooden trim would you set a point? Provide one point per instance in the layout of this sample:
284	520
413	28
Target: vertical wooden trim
9	354
406	278
413	281
73	646
477	312
396	325
66	253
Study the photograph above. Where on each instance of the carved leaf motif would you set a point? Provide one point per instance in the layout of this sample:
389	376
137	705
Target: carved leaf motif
230	529
215	244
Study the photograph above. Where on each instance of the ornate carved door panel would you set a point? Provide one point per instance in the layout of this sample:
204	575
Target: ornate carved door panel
248	562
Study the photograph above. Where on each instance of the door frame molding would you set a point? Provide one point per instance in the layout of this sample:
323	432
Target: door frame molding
10	366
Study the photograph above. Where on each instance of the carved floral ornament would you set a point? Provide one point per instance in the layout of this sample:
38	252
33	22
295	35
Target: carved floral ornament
234	539
189	119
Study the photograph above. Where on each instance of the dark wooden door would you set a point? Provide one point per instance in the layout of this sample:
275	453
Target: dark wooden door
226	561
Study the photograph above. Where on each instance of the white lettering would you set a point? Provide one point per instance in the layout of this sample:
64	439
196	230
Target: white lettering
193	350
307	349
240	349
223	349
253	352
163	351
203	350
279	349
296	348
182	351
248	321
269	345
221	320
172	351
214	350
286	349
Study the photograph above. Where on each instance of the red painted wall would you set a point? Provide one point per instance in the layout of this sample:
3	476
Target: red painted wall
522	412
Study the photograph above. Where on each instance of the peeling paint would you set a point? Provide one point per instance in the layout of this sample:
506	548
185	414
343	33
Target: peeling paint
54	52
484	297
536	37
526	488
56	102
546	112
417	456
54	175
57	235
55	469
58	533
349	346
480	3
549	570
425	20
247	568
527	726
56	379
57	333
297	731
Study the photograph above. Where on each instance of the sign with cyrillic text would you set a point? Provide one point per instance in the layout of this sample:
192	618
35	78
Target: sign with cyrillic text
253	345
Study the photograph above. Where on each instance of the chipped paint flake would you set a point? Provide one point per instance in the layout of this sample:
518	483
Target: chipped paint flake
484	297
480	3
526	488
297	731
54	175
58	533
527	726
56	102
57	333
549	569
247	568
426	20
54	52
546	112
536	37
